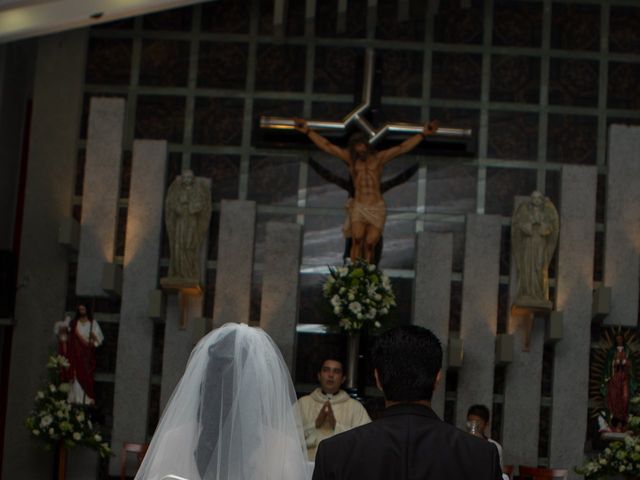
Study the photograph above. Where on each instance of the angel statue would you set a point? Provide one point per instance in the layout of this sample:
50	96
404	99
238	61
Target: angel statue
187	214
534	237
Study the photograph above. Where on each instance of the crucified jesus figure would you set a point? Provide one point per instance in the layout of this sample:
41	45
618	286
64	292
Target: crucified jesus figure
368	211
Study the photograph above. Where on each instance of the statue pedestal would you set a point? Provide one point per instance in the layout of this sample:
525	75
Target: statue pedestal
529	304
528	310
184	287
614	436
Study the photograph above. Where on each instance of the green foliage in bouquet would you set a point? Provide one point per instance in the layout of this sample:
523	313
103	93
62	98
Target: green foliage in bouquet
54	419
360	295
620	458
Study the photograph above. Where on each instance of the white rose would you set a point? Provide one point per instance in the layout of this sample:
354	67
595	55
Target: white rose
51	431
351	297
36	432
344	323
337	310
355	307
77	436
64	387
46	421
52	387
335	301
377	324
97	438
40	394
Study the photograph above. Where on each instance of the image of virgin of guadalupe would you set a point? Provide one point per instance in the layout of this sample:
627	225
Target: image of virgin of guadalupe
619	382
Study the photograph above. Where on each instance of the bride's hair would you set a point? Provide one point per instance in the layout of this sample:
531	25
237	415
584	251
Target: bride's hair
217	398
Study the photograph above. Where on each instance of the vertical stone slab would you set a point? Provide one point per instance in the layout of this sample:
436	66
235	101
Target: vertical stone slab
280	283
178	343
179	340
479	314
622	230
100	193
574	285
432	296
523	376
235	262
140	276
43	263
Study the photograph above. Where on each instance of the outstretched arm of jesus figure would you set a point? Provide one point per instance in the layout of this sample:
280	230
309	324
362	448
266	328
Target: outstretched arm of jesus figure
321	142
409	144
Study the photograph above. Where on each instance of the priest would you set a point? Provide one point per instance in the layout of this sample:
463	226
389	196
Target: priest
329	410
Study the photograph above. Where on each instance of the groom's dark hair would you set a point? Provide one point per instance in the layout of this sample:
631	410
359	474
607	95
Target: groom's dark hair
408	360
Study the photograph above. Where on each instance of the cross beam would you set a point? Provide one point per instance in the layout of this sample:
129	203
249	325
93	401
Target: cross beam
357	118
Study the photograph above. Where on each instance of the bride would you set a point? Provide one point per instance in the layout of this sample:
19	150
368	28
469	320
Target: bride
232	416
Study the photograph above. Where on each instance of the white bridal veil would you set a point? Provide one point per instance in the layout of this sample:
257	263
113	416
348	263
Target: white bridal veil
232	416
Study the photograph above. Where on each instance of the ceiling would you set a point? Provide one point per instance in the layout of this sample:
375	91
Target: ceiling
28	18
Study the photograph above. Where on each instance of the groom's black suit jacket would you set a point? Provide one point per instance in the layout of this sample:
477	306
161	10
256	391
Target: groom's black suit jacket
408	442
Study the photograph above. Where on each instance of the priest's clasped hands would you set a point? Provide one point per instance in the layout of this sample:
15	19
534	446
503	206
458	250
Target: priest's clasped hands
326	416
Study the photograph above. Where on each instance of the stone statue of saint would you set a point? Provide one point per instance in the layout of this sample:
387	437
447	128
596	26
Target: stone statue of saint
187	213
534	237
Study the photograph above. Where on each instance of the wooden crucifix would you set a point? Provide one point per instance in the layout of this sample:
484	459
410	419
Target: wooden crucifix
366	209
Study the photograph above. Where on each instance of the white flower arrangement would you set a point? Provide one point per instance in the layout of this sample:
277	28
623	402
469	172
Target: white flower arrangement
360	295
620	457
55	420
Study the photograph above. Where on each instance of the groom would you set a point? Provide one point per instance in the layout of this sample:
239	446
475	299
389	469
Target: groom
409	441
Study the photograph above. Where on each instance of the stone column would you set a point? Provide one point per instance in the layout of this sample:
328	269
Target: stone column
280	283
140	276
43	264
622	231
178	343
521	414
574	286
17	64
235	262
479	315
432	296
100	193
